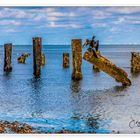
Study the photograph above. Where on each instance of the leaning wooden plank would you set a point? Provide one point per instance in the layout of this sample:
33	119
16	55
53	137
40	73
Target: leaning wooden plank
108	67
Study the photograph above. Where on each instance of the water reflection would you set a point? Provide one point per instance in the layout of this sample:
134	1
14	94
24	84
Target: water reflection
36	86
135	75
120	88
75	86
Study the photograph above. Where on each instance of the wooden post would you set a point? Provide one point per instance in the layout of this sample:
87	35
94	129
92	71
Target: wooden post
7	57
42	59
135	62
37	45
65	60
76	59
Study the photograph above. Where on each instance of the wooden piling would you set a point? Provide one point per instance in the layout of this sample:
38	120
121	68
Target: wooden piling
65	60
76	58
7	57
22	58
135	62
37	45
42	59
108	67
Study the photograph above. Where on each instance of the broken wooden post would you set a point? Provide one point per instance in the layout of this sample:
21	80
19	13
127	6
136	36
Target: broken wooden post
135	62
108	67
76	59
42	59
22	58
96	69
7	57
65	60
37	45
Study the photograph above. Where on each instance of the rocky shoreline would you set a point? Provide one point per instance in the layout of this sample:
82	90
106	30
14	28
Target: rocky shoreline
7	127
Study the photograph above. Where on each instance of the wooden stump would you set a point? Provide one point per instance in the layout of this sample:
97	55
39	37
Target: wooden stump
65	60
76	59
135	62
22	58
7	57
37	45
42	59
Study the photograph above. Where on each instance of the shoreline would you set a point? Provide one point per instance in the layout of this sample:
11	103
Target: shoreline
15	127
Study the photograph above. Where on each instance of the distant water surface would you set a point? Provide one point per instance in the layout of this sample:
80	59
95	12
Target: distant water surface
97	103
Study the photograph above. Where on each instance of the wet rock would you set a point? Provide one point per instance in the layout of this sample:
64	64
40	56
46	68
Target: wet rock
15	127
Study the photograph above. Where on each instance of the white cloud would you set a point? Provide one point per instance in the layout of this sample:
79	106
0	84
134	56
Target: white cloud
56	25
10	22
10	31
124	10
127	20
99	24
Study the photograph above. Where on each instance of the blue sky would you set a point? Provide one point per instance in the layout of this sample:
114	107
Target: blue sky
58	25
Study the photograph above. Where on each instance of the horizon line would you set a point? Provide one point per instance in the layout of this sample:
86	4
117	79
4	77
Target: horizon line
68	44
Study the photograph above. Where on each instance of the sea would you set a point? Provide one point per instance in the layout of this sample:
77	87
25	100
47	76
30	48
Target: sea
54	102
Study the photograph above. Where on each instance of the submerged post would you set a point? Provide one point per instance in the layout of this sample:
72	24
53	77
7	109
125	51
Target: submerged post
135	62
37	44
65	60
76	58
7	57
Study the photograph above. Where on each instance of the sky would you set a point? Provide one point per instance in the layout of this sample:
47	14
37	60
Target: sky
58	25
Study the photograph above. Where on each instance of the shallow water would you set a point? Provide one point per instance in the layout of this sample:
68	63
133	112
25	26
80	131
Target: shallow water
97	103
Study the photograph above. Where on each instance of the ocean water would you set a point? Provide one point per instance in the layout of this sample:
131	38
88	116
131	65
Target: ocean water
53	102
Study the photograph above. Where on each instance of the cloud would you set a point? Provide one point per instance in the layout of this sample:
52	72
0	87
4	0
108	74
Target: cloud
10	22
127	20
123	10
10	30
99	24
56	25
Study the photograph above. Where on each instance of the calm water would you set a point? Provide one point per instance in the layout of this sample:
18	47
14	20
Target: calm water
95	104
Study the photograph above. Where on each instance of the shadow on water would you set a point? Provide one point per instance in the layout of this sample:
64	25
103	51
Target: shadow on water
119	88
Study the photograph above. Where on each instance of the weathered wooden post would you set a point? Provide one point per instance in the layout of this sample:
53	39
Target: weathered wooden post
76	58
42	59
7	57
65	60
37	45
135	62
